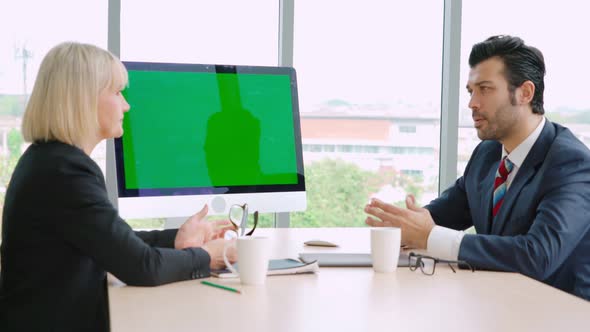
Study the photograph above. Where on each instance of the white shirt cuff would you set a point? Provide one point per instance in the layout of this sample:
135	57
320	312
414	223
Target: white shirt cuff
444	243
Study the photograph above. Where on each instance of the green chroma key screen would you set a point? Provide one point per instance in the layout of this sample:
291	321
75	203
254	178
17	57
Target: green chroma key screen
208	126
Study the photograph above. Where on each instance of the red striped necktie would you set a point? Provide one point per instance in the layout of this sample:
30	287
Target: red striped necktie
500	187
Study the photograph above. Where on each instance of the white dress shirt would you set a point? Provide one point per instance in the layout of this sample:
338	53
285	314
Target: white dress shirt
444	242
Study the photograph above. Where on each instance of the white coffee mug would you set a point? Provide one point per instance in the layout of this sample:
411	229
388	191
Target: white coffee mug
385	246
253	255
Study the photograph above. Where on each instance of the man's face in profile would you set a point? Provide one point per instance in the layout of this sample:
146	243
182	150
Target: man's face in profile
493	108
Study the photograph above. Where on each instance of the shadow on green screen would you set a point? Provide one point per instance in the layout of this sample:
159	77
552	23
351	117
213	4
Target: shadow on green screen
232	144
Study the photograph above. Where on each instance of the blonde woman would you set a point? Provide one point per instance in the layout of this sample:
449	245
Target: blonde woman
60	232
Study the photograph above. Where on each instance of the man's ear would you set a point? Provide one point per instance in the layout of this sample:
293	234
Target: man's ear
525	93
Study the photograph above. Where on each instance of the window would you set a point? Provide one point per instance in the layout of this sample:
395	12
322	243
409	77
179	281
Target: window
412	172
357	82
345	148
315	148
329	148
558	29
200	31
370	149
28	30
407	129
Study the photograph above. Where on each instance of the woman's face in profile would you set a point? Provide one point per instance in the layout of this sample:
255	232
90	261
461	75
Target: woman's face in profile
111	106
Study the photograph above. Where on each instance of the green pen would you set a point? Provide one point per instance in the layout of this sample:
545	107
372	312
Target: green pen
221	286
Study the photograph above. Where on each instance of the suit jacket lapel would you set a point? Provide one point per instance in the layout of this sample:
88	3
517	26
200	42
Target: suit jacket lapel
527	170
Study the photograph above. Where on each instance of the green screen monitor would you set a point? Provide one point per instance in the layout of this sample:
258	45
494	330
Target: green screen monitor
209	134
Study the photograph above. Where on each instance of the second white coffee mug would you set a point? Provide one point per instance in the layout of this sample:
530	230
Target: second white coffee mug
253	255
385	246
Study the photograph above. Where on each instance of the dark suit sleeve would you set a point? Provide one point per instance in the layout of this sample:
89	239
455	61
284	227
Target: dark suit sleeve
164	238
451	209
91	224
560	223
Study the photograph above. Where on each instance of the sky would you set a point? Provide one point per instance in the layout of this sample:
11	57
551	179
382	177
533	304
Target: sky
369	52
41	25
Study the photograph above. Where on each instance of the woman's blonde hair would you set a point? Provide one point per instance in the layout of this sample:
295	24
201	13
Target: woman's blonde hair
64	102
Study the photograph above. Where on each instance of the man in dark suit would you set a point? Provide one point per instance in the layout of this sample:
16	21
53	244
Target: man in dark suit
526	188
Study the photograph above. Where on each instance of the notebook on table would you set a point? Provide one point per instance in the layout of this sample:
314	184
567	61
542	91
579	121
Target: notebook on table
346	259
276	267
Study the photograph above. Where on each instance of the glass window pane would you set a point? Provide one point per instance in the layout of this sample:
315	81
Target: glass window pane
559	30
369	78
28	30
217	32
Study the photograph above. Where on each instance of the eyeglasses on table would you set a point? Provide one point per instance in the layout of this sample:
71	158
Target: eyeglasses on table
238	215
427	264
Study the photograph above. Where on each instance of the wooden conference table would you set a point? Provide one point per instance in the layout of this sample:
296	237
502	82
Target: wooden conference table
350	299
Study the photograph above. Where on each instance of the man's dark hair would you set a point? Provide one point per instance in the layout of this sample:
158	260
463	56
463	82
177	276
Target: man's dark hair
522	62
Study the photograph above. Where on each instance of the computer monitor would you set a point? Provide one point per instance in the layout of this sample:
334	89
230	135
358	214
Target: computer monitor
209	134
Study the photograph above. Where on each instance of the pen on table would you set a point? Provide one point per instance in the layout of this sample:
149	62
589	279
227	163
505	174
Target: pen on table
221	286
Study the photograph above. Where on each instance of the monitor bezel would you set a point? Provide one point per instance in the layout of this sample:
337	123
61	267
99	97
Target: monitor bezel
124	192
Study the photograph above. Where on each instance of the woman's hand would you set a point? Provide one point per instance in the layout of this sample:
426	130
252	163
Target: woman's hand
215	250
196	230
